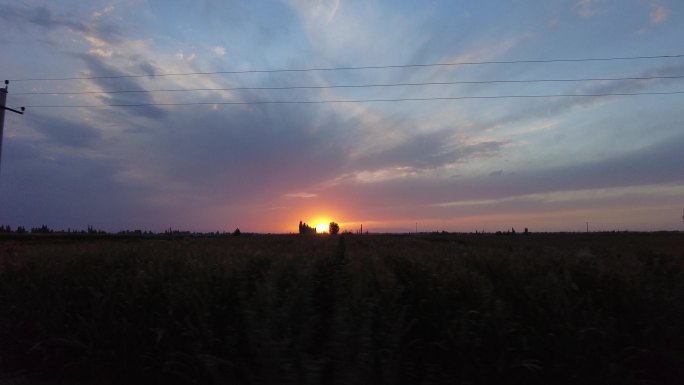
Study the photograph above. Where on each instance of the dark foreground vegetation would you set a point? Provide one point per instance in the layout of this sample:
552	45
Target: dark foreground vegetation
427	309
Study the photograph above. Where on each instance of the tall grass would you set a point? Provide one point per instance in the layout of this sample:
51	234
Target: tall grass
336	310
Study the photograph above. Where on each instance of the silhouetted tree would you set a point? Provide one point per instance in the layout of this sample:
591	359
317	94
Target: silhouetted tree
41	230
333	228
306	229
236	232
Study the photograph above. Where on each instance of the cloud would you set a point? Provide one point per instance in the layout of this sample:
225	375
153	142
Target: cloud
302	195
96	31
106	10
145	67
587	8
219	51
64	132
239	154
425	151
585	196
332	10
99	52
323	10
40	16
108	78
659	13
76	189
180	55
655	164
555	106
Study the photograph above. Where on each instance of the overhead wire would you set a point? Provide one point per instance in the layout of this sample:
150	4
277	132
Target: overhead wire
366	85
378	85
349	68
356	100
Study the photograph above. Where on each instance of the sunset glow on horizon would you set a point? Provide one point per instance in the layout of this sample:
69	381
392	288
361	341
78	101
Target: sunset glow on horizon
322	227
395	115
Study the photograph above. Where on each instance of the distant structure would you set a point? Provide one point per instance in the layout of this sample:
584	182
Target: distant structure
682	215
3	100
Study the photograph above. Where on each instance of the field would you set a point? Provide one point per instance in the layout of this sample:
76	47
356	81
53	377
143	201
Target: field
372	309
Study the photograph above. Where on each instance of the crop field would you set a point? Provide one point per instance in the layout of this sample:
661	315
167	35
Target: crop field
602	308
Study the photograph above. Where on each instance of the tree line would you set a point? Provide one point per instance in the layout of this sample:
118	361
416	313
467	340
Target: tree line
44	229
333	228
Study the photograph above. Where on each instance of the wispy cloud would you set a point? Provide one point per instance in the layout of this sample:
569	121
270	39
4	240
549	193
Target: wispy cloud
588	8
301	195
584	195
108	78
218	50
97	29
659	13
425	152
551	107
106	10
318	10
651	165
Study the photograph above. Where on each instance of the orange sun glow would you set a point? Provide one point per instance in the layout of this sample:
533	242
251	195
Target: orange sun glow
322	227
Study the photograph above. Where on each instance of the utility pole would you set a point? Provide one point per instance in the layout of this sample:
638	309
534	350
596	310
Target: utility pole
3	101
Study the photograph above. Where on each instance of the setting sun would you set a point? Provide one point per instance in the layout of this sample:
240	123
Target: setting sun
321	223
322	227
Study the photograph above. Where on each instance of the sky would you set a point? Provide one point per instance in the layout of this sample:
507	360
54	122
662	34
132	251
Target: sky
213	134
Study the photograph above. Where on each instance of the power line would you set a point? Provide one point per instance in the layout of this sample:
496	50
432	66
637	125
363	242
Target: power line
356	85
358	100
356	68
